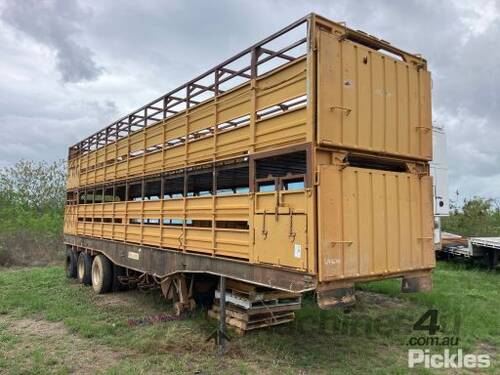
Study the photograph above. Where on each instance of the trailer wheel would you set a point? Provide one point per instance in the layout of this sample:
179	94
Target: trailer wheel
492	259
118	272
84	268
102	274
70	264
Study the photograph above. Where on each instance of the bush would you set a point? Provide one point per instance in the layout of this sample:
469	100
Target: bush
26	248
476	217
31	212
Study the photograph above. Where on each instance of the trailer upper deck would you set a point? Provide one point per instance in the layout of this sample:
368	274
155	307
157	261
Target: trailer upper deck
251	63
314	63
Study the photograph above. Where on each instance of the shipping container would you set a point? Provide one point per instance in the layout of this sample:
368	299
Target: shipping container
301	163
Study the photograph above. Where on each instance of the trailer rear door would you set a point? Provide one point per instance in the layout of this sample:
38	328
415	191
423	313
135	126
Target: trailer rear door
373	222
371	101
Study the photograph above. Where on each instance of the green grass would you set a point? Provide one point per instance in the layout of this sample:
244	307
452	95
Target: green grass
370	338
460	293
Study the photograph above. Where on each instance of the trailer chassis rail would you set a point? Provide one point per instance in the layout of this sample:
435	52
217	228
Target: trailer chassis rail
161	263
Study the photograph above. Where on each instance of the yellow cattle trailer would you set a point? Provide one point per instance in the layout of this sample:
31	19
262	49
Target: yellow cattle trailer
301	163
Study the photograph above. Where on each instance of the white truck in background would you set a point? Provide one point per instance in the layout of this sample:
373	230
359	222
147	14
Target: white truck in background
439	172
481	248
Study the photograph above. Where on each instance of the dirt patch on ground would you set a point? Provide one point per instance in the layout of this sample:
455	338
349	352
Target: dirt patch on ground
33	327
115	300
380	300
488	348
60	349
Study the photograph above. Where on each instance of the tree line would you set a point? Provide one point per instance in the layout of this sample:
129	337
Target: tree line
31	212
477	216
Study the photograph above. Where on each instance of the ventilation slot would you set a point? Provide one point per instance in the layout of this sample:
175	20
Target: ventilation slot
376	163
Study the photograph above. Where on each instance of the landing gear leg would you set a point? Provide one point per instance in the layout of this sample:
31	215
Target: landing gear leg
175	288
219	335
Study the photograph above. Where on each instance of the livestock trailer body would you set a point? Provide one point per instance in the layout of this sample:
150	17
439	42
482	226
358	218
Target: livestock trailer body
301	163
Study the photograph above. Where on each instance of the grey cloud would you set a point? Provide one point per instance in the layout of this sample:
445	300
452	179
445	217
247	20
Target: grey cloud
55	23
47	134
151	47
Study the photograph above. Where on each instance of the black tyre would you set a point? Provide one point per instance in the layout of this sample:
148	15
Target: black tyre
84	268
117	273
492	259
70	264
102	274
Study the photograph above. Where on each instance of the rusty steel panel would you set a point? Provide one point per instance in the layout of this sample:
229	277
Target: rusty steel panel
164	262
373	222
370	101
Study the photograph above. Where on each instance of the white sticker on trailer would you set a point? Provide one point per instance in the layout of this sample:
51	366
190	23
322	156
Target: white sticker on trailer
133	255
297	250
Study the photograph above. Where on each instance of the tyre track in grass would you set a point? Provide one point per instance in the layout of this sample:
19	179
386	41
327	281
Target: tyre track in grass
40	346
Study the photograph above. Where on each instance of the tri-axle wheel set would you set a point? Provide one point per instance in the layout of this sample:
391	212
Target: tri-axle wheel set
105	276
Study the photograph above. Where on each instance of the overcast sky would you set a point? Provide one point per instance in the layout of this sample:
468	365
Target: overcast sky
69	68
